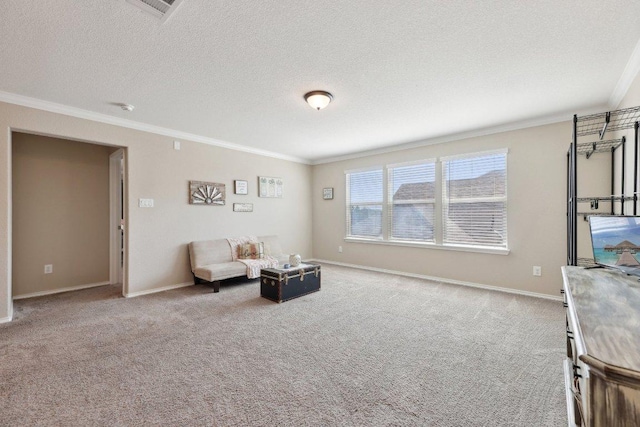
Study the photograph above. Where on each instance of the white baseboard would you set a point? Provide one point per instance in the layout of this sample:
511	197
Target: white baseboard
443	280
154	290
58	291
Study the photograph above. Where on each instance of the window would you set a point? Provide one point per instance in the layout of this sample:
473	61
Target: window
474	196
412	201
457	202
364	203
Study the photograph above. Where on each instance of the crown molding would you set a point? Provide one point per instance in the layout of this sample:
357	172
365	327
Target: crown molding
626	79
52	107
541	121
629	74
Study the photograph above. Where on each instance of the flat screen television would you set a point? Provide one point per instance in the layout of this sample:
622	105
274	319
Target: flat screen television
616	242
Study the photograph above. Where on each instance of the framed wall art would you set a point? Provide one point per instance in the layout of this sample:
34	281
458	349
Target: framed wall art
269	186
241	187
327	193
206	193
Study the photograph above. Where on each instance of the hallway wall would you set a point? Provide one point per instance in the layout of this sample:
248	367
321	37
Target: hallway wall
60	213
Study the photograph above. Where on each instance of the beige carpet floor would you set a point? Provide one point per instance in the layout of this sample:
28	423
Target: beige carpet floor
369	349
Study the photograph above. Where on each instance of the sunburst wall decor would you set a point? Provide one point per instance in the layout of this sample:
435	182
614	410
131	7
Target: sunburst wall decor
206	193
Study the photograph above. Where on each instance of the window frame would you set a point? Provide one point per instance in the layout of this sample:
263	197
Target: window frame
349	204
438	204
391	203
445	199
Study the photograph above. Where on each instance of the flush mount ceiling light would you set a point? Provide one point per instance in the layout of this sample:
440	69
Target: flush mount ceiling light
127	107
318	99
161	9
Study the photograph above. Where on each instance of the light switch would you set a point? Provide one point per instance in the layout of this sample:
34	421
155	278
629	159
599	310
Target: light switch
145	203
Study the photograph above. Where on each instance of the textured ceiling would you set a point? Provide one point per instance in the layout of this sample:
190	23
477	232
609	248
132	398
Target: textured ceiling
400	71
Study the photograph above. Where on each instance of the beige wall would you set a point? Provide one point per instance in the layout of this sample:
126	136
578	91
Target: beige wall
536	214
594	179
60	213
632	97
157	237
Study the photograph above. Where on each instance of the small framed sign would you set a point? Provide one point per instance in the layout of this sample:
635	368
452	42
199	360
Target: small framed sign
243	207
241	187
327	193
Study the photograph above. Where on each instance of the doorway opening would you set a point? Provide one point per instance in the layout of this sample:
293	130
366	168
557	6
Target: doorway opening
69	211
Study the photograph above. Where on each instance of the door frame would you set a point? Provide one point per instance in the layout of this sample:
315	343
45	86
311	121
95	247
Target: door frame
117	231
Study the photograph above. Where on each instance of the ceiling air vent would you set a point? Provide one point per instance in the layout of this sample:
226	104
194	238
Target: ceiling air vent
161	9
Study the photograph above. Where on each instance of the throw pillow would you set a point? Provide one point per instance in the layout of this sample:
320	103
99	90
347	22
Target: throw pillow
251	251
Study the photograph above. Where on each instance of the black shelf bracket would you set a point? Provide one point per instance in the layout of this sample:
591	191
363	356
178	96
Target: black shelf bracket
623	162
635	168
607	119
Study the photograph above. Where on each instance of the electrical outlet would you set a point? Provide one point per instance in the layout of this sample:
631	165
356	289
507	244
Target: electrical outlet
537	270
145	203
340	249
48	268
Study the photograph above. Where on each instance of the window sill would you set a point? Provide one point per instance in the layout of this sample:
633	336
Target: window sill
425	245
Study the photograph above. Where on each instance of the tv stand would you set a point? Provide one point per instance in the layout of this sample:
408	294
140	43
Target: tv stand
602	368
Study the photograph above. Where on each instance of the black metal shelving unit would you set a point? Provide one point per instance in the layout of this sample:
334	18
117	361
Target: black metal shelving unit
597	126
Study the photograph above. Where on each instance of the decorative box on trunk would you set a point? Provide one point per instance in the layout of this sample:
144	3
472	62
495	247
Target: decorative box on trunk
284	284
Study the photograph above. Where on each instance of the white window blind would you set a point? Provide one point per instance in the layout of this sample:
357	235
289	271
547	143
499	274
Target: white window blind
412	202
364	203
475	200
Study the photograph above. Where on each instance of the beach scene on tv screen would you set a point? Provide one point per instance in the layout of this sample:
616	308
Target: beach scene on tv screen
616	240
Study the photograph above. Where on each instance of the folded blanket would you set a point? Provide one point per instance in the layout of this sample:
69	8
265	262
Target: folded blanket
254	265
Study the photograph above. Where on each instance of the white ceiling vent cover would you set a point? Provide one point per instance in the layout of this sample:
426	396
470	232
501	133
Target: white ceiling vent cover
161	9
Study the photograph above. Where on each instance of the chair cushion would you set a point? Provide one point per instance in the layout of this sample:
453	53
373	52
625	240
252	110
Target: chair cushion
206	252
221	271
